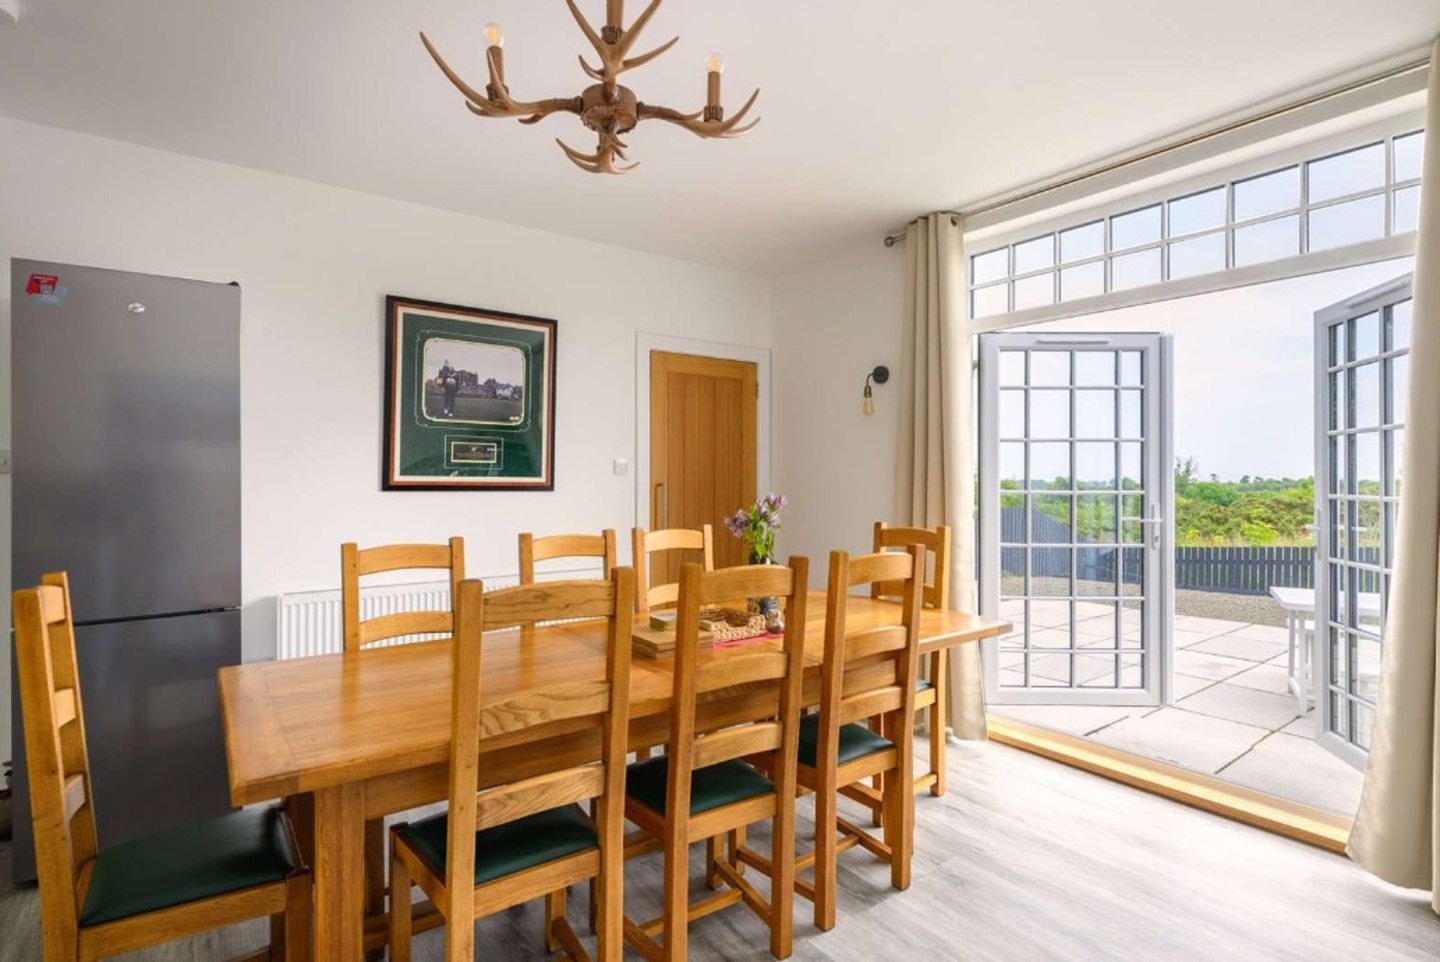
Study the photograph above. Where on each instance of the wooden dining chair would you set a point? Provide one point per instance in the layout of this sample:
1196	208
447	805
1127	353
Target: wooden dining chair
934	691
356	563
644	544
533	549
702	788
97	902
865	673
500	846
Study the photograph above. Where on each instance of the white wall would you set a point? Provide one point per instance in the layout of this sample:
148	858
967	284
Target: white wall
833	324
315	264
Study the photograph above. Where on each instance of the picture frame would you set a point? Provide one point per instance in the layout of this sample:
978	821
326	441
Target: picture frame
469	398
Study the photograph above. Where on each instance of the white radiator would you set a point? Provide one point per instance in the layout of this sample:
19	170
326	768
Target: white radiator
309	622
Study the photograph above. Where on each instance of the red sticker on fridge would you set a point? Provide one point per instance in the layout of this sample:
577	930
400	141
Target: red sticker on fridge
41	284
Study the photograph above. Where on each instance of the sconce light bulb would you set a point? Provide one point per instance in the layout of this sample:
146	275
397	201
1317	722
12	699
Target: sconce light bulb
715	63
869	404
493	36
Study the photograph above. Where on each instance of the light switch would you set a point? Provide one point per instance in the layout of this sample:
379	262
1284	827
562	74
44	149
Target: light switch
621	467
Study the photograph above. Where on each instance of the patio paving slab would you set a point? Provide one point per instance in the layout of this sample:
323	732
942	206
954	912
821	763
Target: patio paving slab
1305	727
1197	742
1216	626
1269	677
1297	768
1071	719
1201	664
1186	685
1233	647
1234	703
1186	639
1279	636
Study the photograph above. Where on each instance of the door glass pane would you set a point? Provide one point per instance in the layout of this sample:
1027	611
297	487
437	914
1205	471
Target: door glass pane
1012	414
1095	368
1049	368
1130	371
1348	173
1130	422
1348	223
1398	374
1365	404
1081	243
1267	194
1095	519
1012	464
1400	316
1131	472
1049	414
1095	464
1267	241
1012	368
1367	463
1094	414
1367	336
1050	466
1095	572
1135	228
1135	270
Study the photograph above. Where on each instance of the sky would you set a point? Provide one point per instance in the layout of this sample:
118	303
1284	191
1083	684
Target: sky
1244	367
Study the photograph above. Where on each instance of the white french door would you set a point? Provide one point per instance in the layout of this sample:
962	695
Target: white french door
1076	488
1362	369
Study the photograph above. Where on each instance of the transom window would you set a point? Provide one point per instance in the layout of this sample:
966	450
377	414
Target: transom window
1360	194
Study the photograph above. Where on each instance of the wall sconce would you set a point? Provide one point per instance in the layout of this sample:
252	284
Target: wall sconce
880	375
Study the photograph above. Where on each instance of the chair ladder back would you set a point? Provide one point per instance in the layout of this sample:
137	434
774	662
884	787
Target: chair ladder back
62	807
643	544
936	590
605	700
356	563
896	644
550	547
775	729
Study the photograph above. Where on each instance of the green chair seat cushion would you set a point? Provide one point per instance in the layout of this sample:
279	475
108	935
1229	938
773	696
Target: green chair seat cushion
509	848
196	861
924	684
722	784
856	741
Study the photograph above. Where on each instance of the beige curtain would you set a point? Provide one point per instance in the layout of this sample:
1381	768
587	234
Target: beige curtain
934	481
1397	830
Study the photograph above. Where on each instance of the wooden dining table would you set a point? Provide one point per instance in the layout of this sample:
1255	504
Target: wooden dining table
349	738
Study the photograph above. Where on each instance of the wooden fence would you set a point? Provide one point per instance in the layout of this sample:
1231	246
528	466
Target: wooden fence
1231	569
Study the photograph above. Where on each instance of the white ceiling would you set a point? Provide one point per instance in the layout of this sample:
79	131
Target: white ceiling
874	111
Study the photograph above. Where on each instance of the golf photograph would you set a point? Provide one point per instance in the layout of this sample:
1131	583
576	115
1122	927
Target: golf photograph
467	382
469	398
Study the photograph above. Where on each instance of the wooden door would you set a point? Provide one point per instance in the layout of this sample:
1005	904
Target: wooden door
702	450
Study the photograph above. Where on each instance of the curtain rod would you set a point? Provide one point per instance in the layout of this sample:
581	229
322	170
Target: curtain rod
1398	71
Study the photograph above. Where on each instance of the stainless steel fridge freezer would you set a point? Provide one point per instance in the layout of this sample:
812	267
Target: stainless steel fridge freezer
126	461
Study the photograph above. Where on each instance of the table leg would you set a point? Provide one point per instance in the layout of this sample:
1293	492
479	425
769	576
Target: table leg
339	872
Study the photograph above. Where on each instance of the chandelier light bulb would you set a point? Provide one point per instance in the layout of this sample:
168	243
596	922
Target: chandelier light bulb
715	63
493	36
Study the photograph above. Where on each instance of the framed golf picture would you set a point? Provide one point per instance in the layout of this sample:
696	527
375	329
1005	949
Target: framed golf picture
469	398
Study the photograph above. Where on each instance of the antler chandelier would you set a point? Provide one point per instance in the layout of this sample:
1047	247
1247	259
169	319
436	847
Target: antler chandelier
608	108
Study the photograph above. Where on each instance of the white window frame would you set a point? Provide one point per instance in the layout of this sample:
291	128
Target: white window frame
1308	262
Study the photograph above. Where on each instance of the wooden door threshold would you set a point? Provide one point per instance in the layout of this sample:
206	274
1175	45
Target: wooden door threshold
1303	823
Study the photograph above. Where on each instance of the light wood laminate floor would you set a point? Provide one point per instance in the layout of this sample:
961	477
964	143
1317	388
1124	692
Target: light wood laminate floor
1025	859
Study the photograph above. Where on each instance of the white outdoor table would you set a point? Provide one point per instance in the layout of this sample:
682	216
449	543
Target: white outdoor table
1299	607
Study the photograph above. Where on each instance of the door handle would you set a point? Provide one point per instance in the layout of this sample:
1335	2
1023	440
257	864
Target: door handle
662	505
1152	522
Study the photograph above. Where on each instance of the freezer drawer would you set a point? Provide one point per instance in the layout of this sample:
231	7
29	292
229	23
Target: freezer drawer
152	720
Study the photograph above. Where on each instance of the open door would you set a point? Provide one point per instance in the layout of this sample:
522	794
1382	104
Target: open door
1362	367
1076	486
